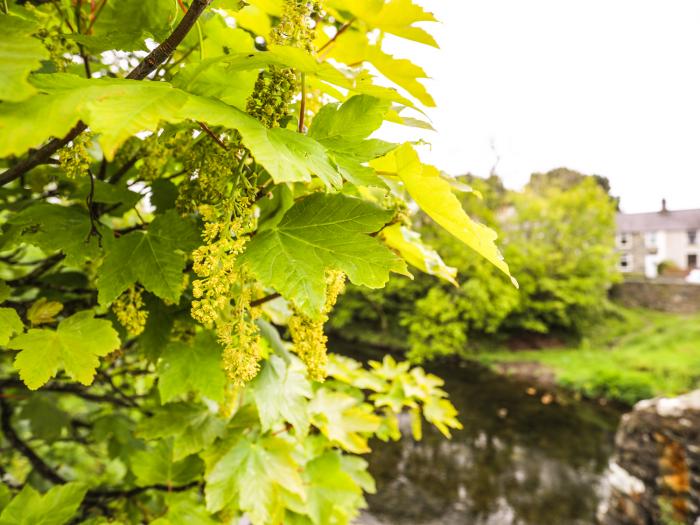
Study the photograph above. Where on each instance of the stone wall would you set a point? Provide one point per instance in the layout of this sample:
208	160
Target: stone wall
667	295
655	474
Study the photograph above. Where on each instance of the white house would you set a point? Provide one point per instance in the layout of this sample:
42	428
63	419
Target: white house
644	240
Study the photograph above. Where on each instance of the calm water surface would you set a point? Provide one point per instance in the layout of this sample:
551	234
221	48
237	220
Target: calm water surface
517	461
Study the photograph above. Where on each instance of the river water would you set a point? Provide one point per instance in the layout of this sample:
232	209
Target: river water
522	459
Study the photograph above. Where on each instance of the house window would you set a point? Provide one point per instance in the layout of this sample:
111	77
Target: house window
650	240
625	262
692	260
692	236
623	239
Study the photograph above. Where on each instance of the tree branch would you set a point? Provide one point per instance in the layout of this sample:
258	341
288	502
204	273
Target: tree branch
264	300
39	464
127	493
145	67
76	390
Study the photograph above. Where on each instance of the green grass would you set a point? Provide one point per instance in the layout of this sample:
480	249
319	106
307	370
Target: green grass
633	355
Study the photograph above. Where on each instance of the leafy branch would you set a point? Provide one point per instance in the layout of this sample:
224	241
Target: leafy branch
141	71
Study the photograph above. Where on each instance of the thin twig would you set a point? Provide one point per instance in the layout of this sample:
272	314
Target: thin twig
92	211
265	299
40	270
340	31
302	104
209	132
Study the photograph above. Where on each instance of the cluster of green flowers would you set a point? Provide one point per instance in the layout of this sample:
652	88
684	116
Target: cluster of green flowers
214	174
61	49
220	280
74	158
307	333
130	312
157	150
275	88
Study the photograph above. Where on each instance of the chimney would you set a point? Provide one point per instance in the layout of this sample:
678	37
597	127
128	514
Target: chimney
664	209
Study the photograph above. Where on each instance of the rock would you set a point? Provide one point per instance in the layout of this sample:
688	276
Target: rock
655	473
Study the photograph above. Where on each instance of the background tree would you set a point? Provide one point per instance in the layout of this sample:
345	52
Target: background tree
558	238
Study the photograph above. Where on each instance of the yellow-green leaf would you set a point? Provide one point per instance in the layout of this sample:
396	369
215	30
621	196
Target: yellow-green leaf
434	196
74	347
409	244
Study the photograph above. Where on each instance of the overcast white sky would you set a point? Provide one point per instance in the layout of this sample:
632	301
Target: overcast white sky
610	87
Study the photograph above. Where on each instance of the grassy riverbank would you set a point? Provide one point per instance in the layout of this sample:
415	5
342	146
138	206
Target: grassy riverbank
633	355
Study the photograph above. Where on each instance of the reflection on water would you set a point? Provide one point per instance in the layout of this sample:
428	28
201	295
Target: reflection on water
517	461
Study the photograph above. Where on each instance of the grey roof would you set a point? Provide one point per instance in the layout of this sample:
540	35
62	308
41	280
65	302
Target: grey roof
659	220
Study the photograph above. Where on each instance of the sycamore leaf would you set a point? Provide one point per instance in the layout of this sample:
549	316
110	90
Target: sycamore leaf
442	414
320	233
253	18
126	25
115	109
409	244
155	258
393	16
343	420
401	71
185	509
10	324
5	291
342	130
192	367
434	196
286	155
192	427
281	391
354	120
5	496
55	507
333	496
74	347
43	311
158	465
253	474
52	227
45	417
20	54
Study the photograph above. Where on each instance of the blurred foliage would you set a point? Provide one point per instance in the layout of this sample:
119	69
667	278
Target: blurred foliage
558	238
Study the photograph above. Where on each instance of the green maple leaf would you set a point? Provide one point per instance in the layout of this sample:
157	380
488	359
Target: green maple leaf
252	476
187	368
158	465
192	427
335	488
281	391
52	228
155	258
354	120
10	324
126	25
74	347
20	54
45	417
185	509
5	291
55	507
342	130
286	155
116	109
319	233
343	420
